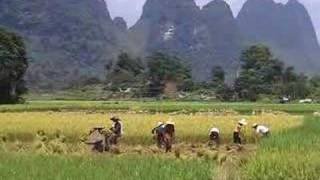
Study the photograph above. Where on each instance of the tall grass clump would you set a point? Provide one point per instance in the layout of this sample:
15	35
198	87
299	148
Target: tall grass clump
292	154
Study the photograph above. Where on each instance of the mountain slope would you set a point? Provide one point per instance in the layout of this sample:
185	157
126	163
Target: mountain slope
204	38
66	38
221	38
286	28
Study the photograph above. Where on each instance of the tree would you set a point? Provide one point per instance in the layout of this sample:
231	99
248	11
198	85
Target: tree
218	76
259	73
315	87
13	65
296	88
126	72
162	69
224	93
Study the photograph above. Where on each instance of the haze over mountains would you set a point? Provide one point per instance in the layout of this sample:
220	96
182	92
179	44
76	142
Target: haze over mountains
286	28
68	39
65	38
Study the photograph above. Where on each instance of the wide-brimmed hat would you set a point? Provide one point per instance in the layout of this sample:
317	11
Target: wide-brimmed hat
254	125
243	122
115	118
99	127
160	123
170	122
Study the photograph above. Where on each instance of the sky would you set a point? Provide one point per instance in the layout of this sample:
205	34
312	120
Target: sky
131	10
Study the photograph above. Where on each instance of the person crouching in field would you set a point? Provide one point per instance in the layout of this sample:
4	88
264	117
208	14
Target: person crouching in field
261	130
214	137
116	132
158	133
97	139
237	131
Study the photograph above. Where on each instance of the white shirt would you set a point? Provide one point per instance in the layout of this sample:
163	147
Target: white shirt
262	129
214	130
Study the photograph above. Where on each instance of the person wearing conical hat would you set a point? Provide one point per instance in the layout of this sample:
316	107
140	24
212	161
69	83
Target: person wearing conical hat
158	133
261	130
117	132
96	139
214	137
169	135
117	127
170	127
159	126
237	131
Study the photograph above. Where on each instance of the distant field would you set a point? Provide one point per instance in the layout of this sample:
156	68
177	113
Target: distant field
158	106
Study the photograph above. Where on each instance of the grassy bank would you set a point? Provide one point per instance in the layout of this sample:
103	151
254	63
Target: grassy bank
294	154
157	106
31	166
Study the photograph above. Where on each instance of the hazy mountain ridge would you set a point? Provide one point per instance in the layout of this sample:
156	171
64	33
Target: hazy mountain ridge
67	39
206	37
212	36
286	28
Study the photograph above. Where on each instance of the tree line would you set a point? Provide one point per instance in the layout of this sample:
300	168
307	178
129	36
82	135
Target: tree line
260	76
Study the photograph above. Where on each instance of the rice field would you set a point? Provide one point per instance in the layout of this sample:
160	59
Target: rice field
294	154
190	128
292	151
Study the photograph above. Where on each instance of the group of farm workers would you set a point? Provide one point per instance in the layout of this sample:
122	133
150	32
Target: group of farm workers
102	140
260	130
164	134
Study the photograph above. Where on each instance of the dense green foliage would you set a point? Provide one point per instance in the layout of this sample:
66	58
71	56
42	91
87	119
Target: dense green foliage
315	87
146	77
163	69
218	75
262	74
13	65
126	72
289	155
262	77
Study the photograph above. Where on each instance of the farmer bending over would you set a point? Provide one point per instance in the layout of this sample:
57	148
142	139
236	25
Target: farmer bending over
214	137
96	139
158	133
261	130
169	135
237	131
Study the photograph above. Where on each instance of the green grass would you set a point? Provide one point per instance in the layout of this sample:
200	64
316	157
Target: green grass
30	166
157	106
293	155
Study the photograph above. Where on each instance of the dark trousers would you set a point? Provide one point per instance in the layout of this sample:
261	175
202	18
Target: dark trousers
111	140
236	138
